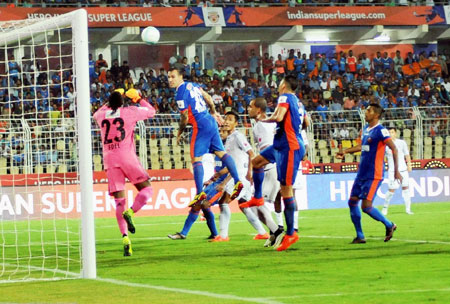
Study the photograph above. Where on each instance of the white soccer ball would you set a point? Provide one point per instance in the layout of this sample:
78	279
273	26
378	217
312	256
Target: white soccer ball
150	35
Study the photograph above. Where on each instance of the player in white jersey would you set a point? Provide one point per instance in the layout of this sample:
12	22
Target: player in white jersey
263	134
404	166
241	152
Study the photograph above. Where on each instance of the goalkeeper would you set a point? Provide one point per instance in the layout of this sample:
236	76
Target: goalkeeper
117	125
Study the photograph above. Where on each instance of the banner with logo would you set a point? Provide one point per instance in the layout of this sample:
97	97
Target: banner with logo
243	17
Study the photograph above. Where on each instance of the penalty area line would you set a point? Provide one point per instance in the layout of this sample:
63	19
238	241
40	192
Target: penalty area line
187	291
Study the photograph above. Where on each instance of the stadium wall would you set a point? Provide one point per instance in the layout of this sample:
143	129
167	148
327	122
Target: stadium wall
320	191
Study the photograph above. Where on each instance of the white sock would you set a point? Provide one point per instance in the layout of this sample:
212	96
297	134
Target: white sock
253	220
407	198
224	220
280	220
296	220
268	220
388	198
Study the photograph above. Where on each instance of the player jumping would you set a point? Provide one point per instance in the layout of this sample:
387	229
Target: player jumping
374	139
117	125
287	151
193	103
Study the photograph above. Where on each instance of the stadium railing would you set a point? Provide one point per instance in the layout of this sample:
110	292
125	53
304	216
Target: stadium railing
425	129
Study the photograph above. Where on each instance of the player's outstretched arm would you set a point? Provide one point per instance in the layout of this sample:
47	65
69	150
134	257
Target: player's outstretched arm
182	125
391	145
276	116
341	153
212	107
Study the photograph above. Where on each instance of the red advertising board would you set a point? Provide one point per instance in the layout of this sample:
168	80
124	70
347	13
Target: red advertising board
243	17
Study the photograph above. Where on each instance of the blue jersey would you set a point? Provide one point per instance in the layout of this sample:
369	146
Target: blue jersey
218	166
189	98
287	134
373	146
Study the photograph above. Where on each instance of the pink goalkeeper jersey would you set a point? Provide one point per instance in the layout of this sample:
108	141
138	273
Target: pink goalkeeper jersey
117	131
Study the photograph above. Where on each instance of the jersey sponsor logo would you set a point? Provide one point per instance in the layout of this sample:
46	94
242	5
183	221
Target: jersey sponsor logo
282	99
189	86
112	114
385	132
180	104
365	148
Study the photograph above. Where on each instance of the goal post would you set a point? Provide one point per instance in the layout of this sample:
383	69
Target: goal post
24	144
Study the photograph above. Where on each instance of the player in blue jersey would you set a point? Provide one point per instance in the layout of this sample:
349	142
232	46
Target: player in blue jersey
374	139
193	104
287	151
214	190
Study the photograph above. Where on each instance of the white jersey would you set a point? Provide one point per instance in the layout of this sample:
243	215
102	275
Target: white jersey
402	151
237	147
263	134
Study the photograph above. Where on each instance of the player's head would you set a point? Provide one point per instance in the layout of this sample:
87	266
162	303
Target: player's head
231	120
175	76
374	112
256	107
288	84
393	132
115	100
223	134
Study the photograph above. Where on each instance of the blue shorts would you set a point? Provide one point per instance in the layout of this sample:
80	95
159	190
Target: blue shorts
205	137
287	162
365	189
211	192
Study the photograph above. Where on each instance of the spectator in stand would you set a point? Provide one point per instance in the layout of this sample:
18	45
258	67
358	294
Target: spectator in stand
366	62
280	66
290	67
101	63
125	69
388	63
351	62
197	66
267	64
254	62
398	61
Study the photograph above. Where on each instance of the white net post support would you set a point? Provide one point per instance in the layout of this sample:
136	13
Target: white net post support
81	66
77	20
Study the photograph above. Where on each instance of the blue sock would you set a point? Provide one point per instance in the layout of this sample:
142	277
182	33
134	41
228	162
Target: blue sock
258	178
209	215
192	217
231	165
198	175
355	214
377	215
289	209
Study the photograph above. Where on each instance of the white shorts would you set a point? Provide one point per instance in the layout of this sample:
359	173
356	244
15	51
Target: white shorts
393	183
271	185
246	192
300	181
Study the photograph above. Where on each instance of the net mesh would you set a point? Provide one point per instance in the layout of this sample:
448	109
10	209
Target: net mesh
40	205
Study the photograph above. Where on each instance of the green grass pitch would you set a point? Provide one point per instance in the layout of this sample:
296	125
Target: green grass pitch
321	268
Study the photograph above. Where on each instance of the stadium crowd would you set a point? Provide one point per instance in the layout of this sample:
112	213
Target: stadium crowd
344	81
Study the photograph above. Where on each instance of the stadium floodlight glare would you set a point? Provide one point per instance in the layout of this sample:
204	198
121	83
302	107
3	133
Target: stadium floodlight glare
50	178
382	37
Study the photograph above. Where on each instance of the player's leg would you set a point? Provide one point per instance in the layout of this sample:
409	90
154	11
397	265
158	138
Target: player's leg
392	186
216	145
212	198
369	189
355	212
279	209
210	221
139	177
116	185
224	219
405	192
258	163
287	165
199	147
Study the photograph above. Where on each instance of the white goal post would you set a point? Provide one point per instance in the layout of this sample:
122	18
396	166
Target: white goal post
11	35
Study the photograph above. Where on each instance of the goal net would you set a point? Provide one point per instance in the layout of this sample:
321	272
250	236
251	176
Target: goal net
46	218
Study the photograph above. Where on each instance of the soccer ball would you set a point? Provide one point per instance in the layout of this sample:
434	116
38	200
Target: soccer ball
150	35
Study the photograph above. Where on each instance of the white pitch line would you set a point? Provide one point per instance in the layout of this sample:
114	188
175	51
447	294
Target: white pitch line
375	238
342	294
187	291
